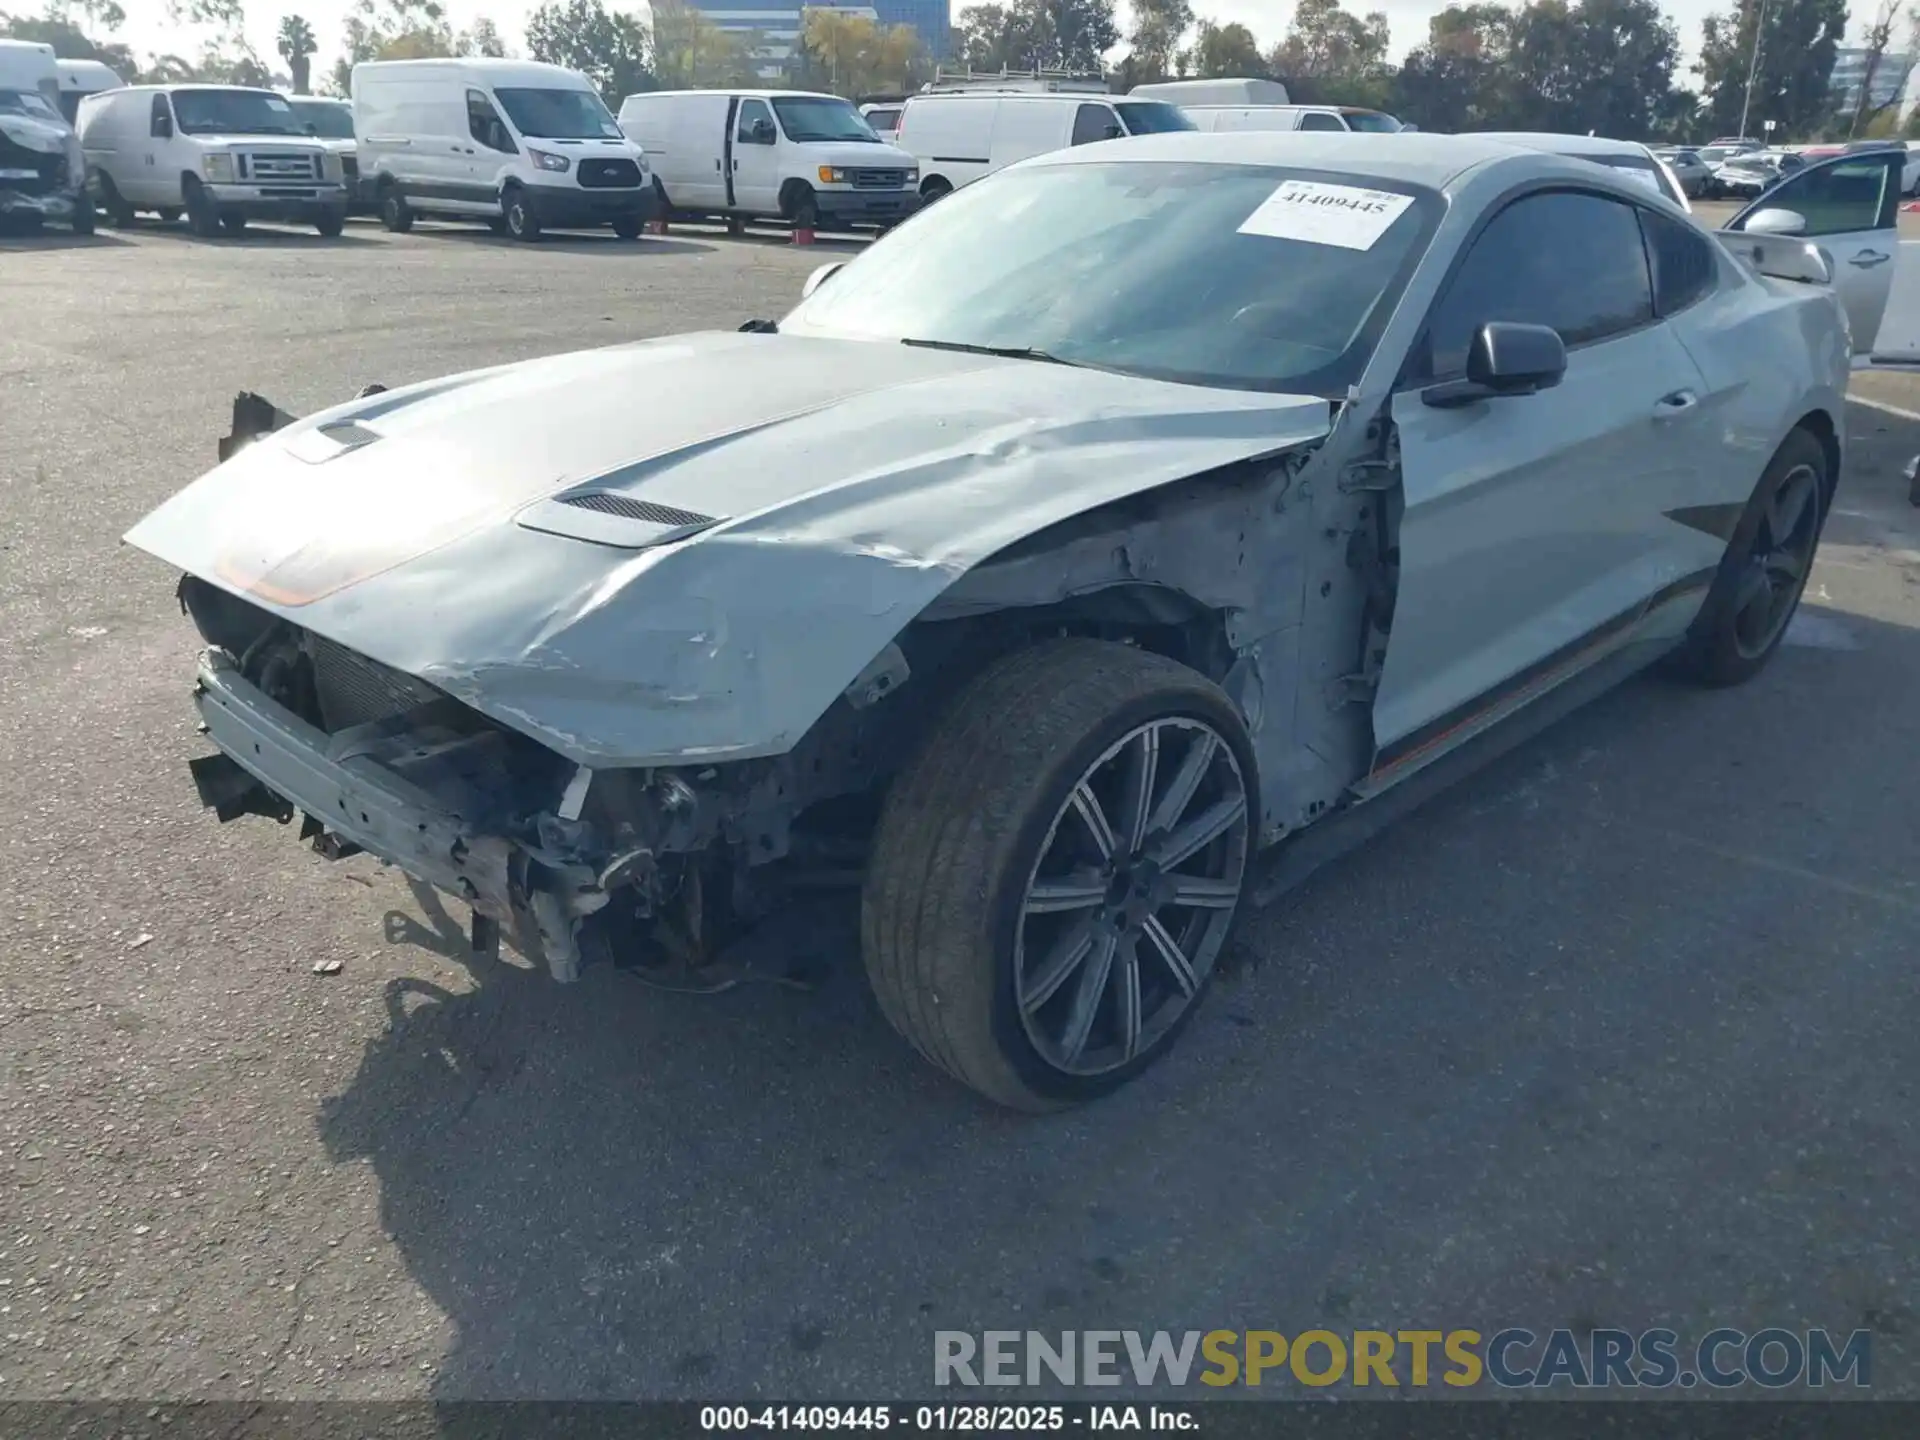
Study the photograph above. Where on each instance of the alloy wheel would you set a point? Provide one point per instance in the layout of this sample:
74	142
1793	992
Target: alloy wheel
1132	896
1778	562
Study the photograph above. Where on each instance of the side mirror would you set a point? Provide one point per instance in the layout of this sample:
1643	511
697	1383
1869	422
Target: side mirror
762	132
1773	221
163	127
1113	132
1406	128
819	277
1505	358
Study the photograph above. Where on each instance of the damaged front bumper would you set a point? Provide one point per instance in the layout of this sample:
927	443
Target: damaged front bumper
351	787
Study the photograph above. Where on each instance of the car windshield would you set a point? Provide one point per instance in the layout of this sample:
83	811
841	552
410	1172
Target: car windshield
1152	117
816	117
1240	276
541	114
27	102
234	112
324	118
1371	121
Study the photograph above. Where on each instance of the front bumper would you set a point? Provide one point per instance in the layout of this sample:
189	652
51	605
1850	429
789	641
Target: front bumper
280	202
561	208
340	781
59	206
864	207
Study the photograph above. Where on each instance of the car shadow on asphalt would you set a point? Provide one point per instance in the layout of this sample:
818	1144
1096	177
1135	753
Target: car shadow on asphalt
254	237
53	237
565	242
1628	971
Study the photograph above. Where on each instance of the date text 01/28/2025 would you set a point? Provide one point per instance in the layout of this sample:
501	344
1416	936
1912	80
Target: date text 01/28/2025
979	1419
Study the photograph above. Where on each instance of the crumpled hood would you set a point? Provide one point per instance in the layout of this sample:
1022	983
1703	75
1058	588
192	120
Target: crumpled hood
44	137
840	486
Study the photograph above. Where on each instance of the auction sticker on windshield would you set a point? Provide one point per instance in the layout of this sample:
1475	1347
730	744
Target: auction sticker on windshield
1343	215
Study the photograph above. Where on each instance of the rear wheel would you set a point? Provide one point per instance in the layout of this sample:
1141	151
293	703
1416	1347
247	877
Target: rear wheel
82	221
627	227
168	214
1761	576
1056	872
395	213
522	223
119	212
203	216
933	189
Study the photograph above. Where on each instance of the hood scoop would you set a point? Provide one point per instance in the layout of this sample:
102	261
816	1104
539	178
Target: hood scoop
606	517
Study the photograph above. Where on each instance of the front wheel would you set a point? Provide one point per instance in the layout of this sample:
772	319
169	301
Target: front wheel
234	223
330	222
804	209
203	216
522	223
82	221
1056	872
627	227
1763	572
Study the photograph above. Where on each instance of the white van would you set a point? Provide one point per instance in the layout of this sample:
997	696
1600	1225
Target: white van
1214	92
224	154
514	143
43	175
959	137
1212	118
81	78
771	154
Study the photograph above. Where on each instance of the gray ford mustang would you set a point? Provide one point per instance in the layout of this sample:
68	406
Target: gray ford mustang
1129	511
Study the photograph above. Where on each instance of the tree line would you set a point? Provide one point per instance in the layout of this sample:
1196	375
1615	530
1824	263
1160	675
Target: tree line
1610	67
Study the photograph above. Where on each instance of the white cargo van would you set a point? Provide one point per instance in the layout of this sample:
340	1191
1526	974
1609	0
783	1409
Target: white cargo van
1214	118
770	154
43	175
959	137
81	78
225	154
515	144
1214	92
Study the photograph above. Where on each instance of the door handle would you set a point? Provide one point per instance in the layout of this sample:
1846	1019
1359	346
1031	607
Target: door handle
1866	259
1678	403
716	164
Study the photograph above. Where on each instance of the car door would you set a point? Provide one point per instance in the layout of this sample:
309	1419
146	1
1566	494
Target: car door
1849	207
144	180
756	159
1321	120
473	160
1532	524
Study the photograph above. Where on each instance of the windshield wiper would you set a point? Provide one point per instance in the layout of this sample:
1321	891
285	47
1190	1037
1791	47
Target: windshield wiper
1004	352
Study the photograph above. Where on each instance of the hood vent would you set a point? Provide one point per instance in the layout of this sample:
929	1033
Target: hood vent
627	508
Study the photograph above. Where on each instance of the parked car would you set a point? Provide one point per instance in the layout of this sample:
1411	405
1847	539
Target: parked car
223	154
81	78
1044	602
1213	92
1214	118
516	145
960	137
1625	157
43	175
883	116
1749	174
792	155
1690	171
331	123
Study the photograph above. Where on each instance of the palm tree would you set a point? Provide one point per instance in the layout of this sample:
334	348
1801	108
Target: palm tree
296	45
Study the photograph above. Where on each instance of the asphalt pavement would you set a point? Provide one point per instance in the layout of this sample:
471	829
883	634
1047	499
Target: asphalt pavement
1620	1032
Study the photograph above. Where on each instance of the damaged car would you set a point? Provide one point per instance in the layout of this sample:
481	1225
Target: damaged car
1141	507
43	175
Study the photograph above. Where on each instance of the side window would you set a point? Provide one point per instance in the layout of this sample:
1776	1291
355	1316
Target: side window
1683	265
754	115
1094	122
1562	258
485	125
1852	195
161	125
1320	120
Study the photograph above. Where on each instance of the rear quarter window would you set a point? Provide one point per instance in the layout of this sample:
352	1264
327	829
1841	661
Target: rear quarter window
1684	269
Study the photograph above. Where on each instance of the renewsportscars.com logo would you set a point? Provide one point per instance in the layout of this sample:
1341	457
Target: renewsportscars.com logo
1773	1358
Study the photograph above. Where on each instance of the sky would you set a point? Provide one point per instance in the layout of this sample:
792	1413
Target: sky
149	28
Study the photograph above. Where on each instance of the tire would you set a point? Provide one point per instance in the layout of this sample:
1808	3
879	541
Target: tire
330	222
234	223
119	213
522	223
203	217
803	208
82	221
168	214
933	189
947	931
395	213
736	227
627	227
1731	640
